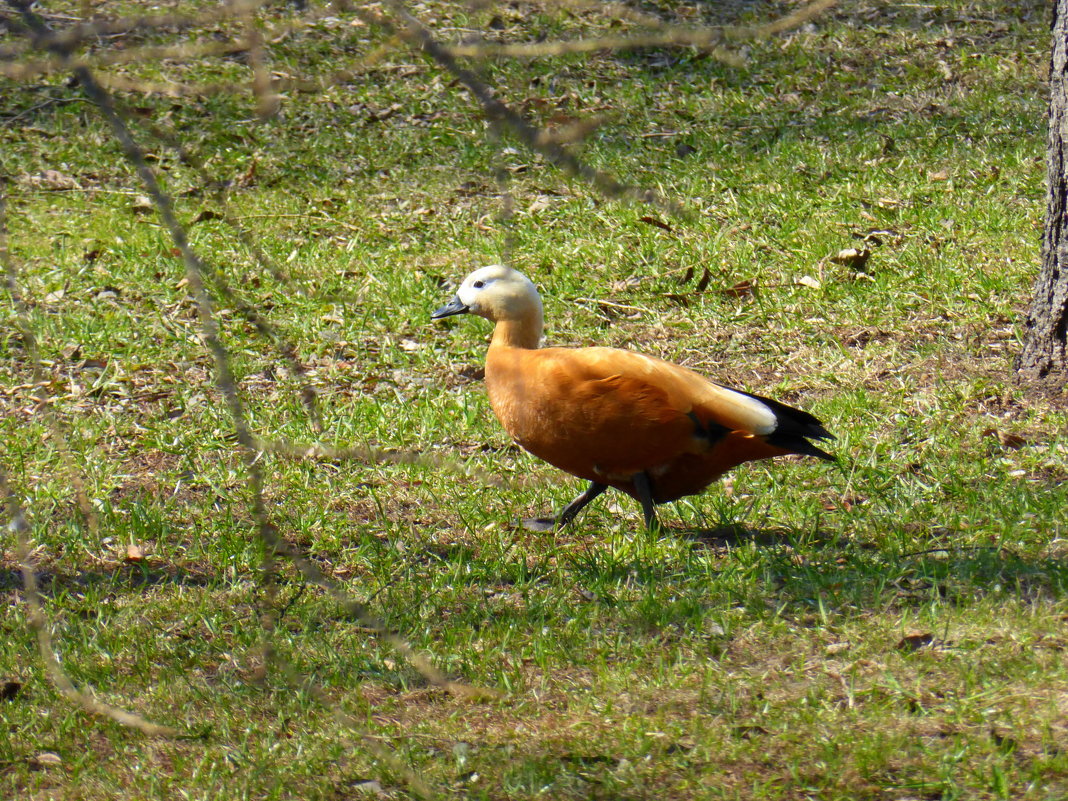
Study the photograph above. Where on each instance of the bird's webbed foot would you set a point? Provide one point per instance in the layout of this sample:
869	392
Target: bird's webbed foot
542	524
538	524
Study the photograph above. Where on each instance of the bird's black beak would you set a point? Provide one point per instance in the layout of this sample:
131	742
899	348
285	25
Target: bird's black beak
455	306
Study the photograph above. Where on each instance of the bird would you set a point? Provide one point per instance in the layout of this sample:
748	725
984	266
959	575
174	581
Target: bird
652	429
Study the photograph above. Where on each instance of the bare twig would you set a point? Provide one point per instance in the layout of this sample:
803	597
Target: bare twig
68	40
195	272
41	381
418	35
20	528
24	70
709	39
225	381
267	100
413	780
371	455
271	332
195	275
706	38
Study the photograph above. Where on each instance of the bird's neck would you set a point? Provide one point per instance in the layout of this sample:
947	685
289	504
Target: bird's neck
522	333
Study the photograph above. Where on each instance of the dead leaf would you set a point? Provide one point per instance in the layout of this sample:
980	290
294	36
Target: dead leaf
568	130
915	640
837	648
384	114
50	179
809	281
702	285
941	175
471	373
874	236
747	732
649	220
539	204
46	759
854	258
1007	440
108	292
743	289
55	296
142	204
248	177
134	553
207	214
369	787
469	188
626	284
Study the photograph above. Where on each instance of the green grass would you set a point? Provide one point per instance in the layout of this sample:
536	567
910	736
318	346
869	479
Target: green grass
758	647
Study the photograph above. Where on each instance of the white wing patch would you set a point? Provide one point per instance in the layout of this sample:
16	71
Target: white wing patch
764	419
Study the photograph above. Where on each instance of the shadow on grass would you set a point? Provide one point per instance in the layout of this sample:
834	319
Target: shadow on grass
850	92
797	573
121	577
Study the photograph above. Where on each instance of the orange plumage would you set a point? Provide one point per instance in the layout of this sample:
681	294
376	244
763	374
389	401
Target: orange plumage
652	429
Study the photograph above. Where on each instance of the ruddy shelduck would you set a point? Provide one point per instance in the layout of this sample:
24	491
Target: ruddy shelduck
652	429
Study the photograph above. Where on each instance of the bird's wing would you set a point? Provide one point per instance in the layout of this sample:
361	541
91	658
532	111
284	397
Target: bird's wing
683	390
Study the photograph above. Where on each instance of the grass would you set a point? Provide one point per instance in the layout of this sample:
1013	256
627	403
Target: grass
891	629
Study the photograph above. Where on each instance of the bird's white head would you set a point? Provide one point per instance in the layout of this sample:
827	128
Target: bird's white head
497	293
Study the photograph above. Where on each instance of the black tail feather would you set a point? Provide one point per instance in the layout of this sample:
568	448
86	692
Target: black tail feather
794	428
798	444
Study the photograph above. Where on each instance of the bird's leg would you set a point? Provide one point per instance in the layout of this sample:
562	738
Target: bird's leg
645	495
576	505
566	516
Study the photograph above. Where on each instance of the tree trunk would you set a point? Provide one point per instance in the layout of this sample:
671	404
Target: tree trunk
1044	357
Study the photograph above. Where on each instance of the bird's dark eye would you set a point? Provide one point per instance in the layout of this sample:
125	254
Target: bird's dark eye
478	284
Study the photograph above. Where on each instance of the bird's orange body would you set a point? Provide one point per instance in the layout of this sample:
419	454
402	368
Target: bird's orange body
654	430
605	415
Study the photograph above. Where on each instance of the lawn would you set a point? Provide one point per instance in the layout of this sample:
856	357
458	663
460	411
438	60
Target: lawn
893	626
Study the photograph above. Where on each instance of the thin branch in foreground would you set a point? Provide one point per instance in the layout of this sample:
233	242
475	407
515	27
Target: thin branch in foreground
195	272
24	70
418	35
413	781
265	87
39	622
225	381
41	380
709	38
705	39
285	345
267	100
368	454
65	42
359	610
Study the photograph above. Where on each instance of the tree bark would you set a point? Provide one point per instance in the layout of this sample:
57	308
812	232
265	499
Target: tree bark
1044	357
